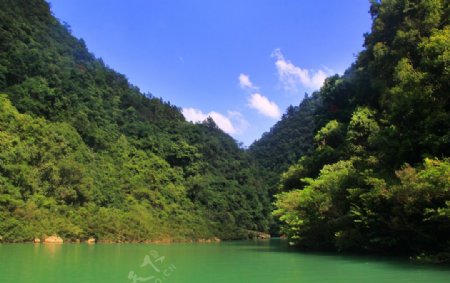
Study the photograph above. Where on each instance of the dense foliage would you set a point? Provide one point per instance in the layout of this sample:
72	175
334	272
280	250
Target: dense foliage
288	140
84	153
378	178
361	165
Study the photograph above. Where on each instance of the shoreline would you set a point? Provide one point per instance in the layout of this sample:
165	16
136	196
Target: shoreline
163	242
56	239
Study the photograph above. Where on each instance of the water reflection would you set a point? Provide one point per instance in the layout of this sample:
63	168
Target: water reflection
258	261
52	250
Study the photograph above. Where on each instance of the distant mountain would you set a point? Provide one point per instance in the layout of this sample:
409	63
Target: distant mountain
287	141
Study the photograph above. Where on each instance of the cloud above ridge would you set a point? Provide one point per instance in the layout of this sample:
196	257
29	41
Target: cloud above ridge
264	106
232	123
292	76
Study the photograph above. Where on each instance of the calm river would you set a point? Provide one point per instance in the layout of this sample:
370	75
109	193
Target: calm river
246	261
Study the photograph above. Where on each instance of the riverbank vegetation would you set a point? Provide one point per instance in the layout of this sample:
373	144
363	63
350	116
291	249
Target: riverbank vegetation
361	165
378	178
84	153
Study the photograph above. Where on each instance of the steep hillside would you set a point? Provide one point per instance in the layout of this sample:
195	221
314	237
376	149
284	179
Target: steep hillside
378	178
85	153
288	140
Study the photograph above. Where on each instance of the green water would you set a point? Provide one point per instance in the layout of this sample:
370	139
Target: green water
249	261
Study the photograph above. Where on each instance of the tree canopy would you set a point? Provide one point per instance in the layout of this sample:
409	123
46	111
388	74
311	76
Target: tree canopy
377	178
361	165
85	153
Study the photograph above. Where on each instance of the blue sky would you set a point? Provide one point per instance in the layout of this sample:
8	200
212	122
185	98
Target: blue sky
242	62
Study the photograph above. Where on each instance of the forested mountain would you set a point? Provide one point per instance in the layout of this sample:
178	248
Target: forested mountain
378	177
84	153
288	140
361	165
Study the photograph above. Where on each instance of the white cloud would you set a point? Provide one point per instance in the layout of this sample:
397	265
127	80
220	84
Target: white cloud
232	123
239	122
264	106
258	101
245	83
194	115
291	76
